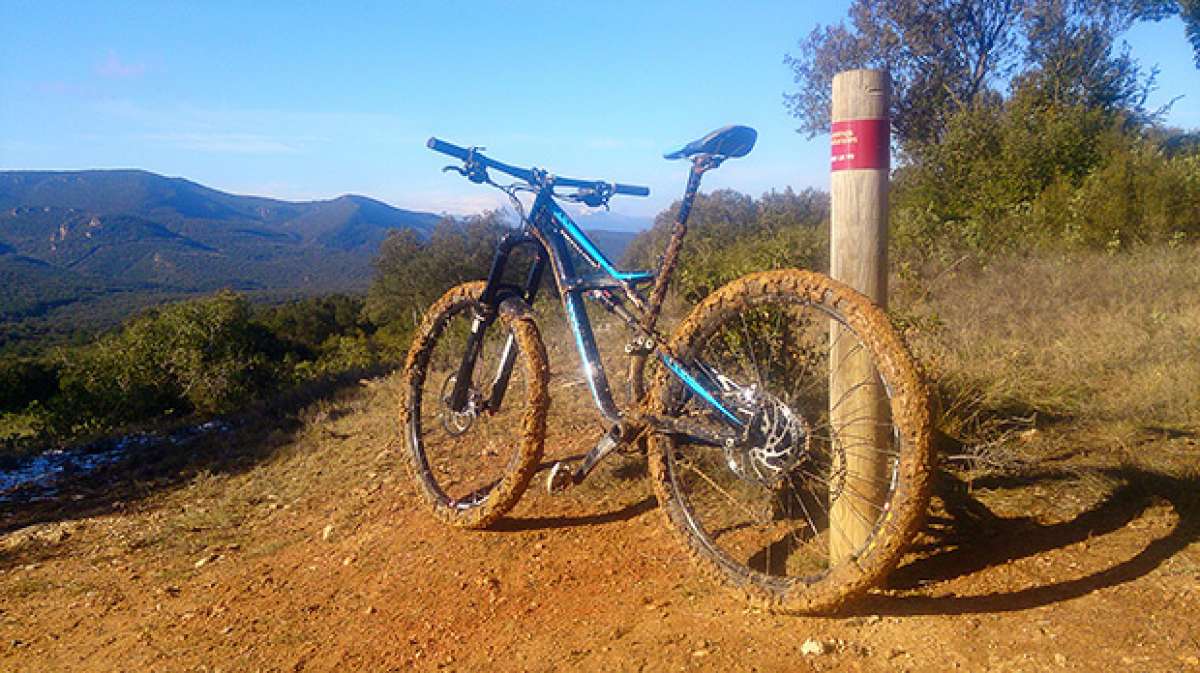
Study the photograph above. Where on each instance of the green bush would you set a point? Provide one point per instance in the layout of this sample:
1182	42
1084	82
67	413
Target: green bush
304	325
730	234
204	355
410	273
1028	174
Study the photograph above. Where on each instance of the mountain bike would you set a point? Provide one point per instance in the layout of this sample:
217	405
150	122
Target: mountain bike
787	427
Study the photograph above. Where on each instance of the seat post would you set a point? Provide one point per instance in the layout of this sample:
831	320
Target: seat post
700	164
637	365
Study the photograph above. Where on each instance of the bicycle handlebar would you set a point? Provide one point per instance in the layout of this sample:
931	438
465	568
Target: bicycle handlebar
471	155
617	188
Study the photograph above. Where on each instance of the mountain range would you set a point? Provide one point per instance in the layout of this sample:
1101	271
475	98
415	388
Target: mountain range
70	240
133	229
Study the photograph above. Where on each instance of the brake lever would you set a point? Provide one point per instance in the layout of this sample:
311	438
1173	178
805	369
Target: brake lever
472	171
594	197
594	200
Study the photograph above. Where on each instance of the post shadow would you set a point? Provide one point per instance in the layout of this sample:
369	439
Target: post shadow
972	538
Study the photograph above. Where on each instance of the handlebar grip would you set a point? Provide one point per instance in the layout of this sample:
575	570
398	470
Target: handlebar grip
631	190
447	148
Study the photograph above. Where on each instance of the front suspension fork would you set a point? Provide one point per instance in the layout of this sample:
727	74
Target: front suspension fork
494	293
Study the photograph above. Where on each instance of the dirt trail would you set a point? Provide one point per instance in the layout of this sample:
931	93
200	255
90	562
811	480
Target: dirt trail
317	555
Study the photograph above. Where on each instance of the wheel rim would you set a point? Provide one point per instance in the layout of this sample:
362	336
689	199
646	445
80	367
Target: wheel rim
463	456
776	531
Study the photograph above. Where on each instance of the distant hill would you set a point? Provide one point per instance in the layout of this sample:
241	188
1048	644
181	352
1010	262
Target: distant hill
138	229
612	243
596	219
77	236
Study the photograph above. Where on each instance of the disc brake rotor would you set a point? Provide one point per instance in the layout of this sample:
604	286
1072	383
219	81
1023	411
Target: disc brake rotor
775	440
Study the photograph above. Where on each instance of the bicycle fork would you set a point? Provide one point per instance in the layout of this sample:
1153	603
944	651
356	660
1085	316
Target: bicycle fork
494	293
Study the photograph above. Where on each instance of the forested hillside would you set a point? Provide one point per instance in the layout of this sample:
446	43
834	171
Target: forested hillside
80	249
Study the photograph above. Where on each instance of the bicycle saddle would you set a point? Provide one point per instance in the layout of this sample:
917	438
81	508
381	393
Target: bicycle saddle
730	141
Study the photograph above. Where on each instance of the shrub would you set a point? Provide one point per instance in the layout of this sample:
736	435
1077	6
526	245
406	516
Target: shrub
204	355
303	325
731	234
1027	175
410	273
25	380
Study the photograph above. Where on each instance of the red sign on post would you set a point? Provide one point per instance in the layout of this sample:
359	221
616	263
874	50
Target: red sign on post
859	143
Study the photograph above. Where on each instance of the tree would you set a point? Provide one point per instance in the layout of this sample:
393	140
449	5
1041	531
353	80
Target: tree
1190	10
716	220
1029	175
203	355
305	324
410	274
946	56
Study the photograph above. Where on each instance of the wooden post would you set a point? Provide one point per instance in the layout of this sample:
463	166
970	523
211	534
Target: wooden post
858	257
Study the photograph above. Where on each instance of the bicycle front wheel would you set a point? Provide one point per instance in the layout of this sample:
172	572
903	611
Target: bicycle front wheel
473	464
813	498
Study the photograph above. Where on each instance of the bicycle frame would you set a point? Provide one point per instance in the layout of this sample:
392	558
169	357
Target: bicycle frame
553	234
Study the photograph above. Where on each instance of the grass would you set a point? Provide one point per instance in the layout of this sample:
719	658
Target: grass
1108	342
211	497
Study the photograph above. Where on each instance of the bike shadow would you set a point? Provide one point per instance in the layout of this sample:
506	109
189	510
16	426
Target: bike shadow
969	538
623	471
524	524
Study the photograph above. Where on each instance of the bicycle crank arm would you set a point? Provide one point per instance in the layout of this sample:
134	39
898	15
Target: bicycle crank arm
561	477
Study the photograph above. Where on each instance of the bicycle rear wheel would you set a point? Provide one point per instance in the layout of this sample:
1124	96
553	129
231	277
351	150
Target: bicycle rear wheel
473	465
827	481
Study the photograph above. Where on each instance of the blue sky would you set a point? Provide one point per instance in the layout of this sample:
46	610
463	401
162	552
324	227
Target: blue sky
303	100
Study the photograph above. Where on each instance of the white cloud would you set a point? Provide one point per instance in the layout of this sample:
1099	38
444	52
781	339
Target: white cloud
113	67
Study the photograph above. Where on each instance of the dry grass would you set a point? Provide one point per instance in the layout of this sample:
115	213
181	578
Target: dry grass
326	452
1089	356
1105	348
325	449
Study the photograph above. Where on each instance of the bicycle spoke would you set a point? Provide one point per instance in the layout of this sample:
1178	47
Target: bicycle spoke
750	347
792	354
722	491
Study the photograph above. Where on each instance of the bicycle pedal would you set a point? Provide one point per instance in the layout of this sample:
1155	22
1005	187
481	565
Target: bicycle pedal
560	478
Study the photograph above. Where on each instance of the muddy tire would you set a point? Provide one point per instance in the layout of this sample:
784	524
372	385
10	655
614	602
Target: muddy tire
762	524
473	466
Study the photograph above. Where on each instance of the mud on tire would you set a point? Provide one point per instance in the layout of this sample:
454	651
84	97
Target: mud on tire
473	467
770	539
